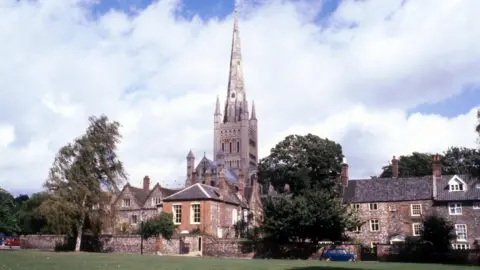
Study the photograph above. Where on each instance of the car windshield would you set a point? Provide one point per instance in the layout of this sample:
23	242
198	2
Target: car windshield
341	251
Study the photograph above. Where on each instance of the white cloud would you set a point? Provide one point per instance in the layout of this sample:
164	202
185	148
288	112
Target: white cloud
351	79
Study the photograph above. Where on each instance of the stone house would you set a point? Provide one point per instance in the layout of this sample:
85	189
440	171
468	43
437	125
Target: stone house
134	204
393	208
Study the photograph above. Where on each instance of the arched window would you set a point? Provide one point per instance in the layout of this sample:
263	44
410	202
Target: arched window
230	147
238	146
223	147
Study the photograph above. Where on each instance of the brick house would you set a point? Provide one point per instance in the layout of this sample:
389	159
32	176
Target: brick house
393	208
134	204
213	205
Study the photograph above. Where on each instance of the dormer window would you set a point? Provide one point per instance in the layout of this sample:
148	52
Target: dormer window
456	184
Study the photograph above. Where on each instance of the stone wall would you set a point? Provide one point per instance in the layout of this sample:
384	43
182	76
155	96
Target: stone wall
235	248
113	243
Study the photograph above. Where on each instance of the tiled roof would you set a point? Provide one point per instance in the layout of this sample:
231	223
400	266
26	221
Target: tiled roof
389	189
142	195
203	192
471	194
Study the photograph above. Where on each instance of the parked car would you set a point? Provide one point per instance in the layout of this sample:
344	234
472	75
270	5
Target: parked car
338	254
12	242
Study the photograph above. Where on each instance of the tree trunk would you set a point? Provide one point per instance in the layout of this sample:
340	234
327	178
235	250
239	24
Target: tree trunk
78	242
141	245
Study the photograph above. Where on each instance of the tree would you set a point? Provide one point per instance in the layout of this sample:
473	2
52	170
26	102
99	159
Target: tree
302	162
312	209
8	218
437	231
455	160
83	175
31	221
160	225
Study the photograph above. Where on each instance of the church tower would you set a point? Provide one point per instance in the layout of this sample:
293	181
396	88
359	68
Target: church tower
235	132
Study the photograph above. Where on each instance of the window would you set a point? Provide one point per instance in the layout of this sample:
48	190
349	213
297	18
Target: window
455	209
374	226
234	216
156	201
461	232
373	206
230	147
392	208
417	229
460	246
476	205
134	219
223	147
456	187
177	214
357	229
356	206
238	146
416	210
126	202
195	213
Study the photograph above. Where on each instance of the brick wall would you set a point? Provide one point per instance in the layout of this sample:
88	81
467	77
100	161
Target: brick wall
186	224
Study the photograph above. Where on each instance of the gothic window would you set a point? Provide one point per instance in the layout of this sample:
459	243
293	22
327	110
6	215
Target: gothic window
230	147
238	146
223	147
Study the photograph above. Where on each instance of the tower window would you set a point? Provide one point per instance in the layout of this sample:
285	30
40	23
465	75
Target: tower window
223	147
230	147
238	146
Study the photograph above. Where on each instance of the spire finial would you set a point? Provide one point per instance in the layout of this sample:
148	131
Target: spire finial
217	106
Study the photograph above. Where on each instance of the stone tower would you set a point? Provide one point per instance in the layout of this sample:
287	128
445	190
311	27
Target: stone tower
235	132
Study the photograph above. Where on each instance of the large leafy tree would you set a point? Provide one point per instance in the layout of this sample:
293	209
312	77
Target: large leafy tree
438	231
312	208
83	174
8	217
302	162
31	221
160	225
455	160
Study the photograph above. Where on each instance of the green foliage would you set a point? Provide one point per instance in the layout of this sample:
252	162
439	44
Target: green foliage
82	176
8	217
160	225
30	220
438	231
302	162
456	160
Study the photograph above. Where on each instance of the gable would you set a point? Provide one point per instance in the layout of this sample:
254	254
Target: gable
127	193
456	184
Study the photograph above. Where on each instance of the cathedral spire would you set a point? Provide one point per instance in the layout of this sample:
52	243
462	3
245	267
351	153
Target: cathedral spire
235	92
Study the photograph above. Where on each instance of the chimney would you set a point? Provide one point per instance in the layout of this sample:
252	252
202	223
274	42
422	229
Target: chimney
194	178
394	167
344	173
146	183
208	178
437	173
221	183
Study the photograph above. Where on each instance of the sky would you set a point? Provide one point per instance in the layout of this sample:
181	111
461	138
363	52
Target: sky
381	78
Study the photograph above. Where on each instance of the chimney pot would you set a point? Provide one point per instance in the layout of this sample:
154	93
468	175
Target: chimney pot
344	173
395	172
194	178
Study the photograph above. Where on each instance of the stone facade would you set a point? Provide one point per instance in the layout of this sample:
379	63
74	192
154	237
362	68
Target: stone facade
396	220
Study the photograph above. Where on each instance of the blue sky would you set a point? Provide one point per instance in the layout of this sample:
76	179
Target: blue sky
208	9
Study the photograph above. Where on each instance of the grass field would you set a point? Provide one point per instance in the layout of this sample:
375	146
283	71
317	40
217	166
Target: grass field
32	260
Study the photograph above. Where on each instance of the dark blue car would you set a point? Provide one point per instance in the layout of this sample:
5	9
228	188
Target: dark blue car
338	254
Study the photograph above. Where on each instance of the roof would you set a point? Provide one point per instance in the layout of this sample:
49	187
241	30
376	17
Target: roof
210	165
142	195
472	192
389	190
203	192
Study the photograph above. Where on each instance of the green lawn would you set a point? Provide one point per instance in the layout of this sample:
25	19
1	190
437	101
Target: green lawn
32	260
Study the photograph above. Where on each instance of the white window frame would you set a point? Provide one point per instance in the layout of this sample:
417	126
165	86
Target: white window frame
358	228
455	209
192	213
174	206
476	206
370	206
456	184
124	202
419	228
372	223
234	216
412	210
461	246
156	201
461	229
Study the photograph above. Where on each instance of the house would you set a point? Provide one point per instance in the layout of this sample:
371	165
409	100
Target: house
134	204
209	208
393	208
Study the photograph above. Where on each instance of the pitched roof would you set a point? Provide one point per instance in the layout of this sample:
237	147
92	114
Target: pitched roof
203	192
142	195
389	190
471	193
206	164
